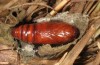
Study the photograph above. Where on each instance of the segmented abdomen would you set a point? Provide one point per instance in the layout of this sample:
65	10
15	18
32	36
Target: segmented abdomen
46	33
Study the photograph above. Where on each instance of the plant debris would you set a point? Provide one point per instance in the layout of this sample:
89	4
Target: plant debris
85	15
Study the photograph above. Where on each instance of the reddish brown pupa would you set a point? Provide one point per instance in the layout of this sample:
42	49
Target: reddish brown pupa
46	33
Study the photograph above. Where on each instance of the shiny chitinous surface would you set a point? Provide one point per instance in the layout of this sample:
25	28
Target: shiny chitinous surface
45	33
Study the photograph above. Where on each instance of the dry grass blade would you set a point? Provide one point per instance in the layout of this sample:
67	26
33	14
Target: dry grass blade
8	5
4	47
8	56
38	61
93	9
62	58
88	6
69	4
30	10
96	61
15	13
28	4
59	7
73	54
96	10
77	7
98	45
4	63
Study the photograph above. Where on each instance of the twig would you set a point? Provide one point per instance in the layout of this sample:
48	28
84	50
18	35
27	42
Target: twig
8	5
59	7
73	54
